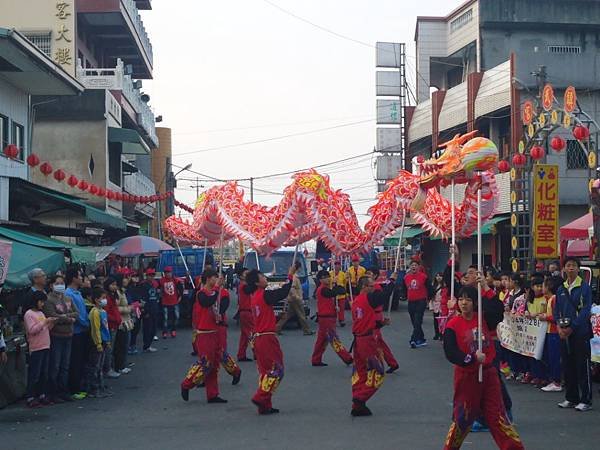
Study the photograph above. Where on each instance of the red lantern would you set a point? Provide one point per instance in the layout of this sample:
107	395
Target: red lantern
503	166
101	192
136	198
72	181
110	194
170	194
581	133
83	185
537	152
93	189
59	175
519	160
11	151
46	168
33	160
118	196
558	144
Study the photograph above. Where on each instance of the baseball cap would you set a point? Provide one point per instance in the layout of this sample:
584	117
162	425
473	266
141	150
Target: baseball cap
150	271
168	269
355	258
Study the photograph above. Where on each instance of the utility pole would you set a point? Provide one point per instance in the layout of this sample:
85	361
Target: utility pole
251	189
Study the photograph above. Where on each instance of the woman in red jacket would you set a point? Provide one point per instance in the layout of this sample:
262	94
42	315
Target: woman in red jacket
114	321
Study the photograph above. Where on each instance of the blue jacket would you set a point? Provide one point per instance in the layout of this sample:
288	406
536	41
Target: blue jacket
83	322
577	306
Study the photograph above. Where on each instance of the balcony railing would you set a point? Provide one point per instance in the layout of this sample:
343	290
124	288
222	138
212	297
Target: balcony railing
136	19
116	80
139	184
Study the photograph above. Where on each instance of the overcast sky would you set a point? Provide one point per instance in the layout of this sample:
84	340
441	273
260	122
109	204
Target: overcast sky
231	72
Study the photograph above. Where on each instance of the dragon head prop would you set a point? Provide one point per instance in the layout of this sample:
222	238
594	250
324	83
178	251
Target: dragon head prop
463	156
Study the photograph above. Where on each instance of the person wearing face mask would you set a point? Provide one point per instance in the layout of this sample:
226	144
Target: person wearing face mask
100	335
62	307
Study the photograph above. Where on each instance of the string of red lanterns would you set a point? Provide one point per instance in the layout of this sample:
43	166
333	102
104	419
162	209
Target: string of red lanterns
183	206
11	151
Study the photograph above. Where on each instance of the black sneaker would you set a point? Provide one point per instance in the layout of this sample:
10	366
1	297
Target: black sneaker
236	378
185	394
361	411
245	359
413	344
319	364
217	400
392	369
266	412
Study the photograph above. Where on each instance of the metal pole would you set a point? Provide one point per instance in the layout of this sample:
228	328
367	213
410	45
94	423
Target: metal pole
204	255
480	271
349	280
252	191
257	260
389	310
453	256
159	218
187	270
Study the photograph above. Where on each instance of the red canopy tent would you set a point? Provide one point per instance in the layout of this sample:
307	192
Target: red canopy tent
575	238
578	229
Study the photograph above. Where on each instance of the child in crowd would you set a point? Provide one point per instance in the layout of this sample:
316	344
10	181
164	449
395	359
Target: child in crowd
101	339
37	329
536	306
552	342
435	304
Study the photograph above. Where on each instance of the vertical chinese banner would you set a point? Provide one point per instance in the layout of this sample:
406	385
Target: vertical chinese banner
64	36
545	211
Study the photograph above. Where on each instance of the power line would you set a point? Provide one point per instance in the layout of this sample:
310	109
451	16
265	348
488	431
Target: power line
271	125
322	28
276	138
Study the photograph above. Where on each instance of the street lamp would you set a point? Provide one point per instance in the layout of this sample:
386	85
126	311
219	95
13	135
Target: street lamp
169	199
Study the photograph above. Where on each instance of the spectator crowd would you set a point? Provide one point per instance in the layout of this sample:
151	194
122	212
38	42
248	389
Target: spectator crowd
81	329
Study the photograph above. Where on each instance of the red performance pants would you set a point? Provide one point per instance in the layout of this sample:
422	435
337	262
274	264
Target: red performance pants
227	362
269	362
326	334
206	369
388	356
368	373
341	309
473	399
246	323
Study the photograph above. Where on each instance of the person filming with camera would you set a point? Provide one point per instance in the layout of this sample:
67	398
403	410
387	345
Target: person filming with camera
572	311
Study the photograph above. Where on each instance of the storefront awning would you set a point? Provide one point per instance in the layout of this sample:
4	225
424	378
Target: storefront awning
488	228
93	214
132	143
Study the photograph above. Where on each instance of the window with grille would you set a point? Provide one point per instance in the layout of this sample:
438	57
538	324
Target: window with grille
42	40
18	138
576	157
564	49
461	21
3	132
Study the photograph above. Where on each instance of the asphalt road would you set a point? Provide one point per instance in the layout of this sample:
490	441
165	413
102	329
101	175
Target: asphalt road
411	410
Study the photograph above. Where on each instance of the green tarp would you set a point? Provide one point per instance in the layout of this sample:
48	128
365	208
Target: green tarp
486	228
409	233
33	250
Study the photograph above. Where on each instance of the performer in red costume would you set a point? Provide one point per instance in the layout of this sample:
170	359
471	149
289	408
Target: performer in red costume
326	315
381	321
472	398
368	355
269	358
206	369
246	321
227	362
